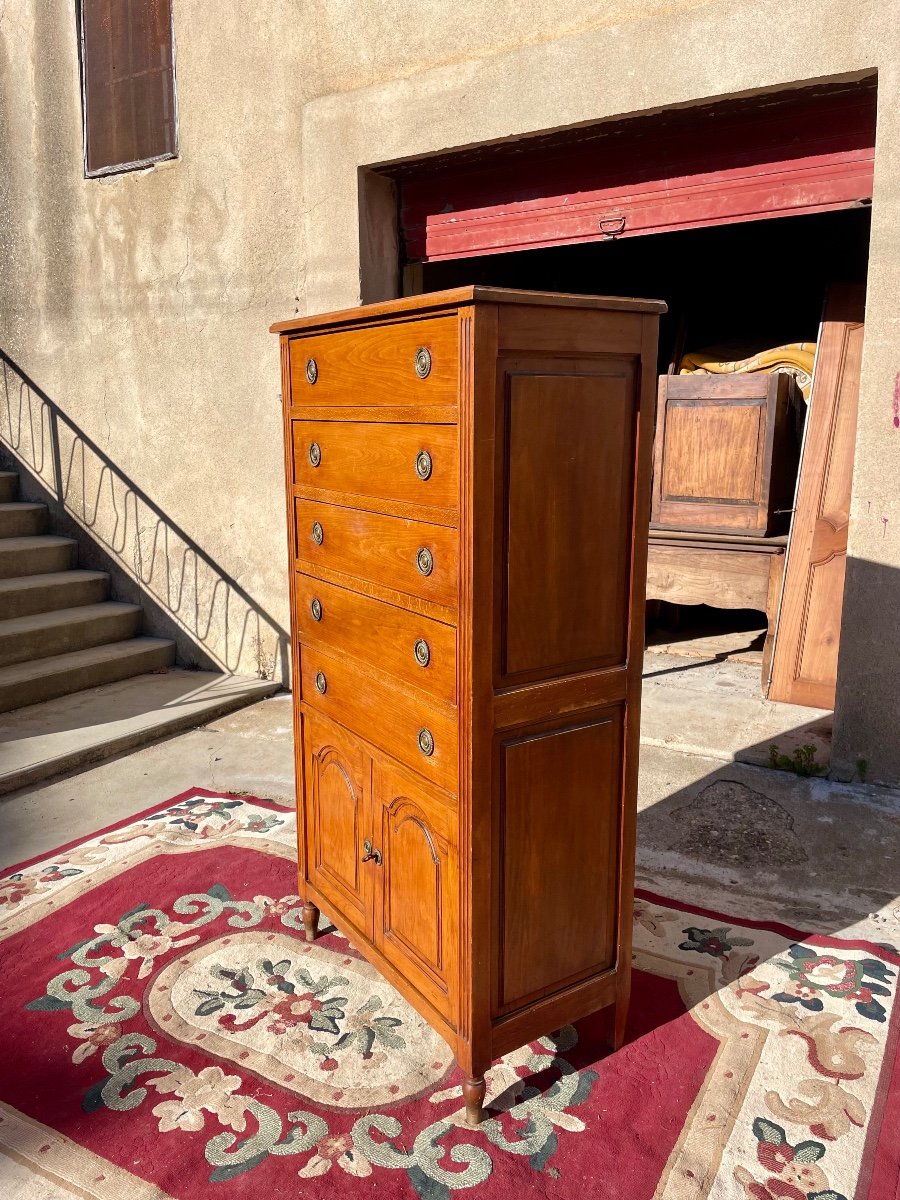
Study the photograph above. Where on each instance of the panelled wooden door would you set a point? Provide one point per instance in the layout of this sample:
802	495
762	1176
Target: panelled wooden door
804	665
416	889
338	776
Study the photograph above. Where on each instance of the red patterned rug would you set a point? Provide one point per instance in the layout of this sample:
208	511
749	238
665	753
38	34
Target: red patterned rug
168	1033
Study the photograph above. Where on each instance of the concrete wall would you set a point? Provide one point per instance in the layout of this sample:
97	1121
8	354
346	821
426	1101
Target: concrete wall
140	303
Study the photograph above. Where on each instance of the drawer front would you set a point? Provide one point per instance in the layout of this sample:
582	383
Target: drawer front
416	891
416	649
377	710
379	364
412	464
408	556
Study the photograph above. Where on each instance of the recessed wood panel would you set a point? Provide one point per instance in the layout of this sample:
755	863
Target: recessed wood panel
337	787
379	460
711	452
378	548
377	365
570	469
417	895
558	805
804	665
726	452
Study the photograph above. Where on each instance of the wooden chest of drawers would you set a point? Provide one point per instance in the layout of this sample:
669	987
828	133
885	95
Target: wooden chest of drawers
468	485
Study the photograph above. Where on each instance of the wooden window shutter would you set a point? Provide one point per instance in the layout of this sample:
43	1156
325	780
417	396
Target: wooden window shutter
128	80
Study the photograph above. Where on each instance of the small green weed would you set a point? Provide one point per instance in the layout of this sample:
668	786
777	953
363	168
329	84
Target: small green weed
801	762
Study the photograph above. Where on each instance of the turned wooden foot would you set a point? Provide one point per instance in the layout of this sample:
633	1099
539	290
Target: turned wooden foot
310	921
473	1091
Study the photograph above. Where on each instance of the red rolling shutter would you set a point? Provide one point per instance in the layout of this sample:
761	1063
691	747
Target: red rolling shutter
807	151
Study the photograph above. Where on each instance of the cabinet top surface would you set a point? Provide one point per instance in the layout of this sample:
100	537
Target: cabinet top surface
432	303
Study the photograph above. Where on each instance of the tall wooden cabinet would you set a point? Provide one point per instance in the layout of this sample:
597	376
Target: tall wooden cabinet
468	485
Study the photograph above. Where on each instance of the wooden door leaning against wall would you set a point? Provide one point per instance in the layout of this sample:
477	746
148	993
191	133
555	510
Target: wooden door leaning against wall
804	664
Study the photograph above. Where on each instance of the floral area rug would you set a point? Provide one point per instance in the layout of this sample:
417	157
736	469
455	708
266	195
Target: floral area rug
167	1032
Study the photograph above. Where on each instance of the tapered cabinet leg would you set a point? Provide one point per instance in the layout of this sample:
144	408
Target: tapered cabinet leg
473	1091
619	1019
310	921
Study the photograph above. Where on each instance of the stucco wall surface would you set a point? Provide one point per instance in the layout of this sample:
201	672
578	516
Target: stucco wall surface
140	303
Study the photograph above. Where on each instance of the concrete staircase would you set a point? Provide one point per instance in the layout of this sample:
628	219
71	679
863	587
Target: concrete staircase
59	631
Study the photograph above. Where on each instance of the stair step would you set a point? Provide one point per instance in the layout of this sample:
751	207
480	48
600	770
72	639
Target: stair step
32	682
18	518
9	485
36	555
46	635
47	593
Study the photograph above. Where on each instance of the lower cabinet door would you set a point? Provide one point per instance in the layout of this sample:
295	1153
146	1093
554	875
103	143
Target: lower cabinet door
416	889
337	799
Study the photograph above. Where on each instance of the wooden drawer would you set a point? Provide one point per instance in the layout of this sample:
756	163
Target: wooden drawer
412	464
377	365
384	550
384	636
377	710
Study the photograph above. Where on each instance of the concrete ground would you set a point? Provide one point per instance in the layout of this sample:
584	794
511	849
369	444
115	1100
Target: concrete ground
721	834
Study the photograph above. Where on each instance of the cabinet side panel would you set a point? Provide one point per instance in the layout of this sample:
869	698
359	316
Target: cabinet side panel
558	817
570	467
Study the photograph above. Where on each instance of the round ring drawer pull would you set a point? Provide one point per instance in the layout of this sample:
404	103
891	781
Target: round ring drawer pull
423	465
422	652
425	561
315	454
423	362
316	609
321	683
426	742
318	533
312	370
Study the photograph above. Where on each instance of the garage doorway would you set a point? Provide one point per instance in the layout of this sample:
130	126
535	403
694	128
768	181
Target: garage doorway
744	217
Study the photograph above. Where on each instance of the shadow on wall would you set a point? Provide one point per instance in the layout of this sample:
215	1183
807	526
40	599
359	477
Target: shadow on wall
185	595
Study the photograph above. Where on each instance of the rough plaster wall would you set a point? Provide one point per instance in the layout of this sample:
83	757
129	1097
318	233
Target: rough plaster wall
140	303
679	56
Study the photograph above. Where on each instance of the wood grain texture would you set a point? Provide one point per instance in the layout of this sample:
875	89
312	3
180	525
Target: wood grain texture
379	548
559	829
569	466
453	299
804	662
721	578
338	780
377	364
378	461
381	636
531	786
417	887
385	714
726	453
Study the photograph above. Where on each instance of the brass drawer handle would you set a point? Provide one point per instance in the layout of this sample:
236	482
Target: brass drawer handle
318	533
369	852
423	465
425	561
422	652
423	362
312	370
321	683
316	609
315	454
426	742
